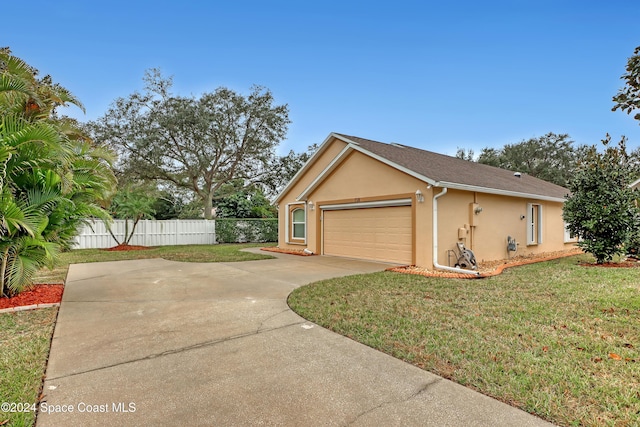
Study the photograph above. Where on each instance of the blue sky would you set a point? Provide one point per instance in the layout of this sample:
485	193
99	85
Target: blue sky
435	75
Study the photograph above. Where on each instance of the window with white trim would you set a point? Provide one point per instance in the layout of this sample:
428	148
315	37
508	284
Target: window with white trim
298	224
568	237
534	224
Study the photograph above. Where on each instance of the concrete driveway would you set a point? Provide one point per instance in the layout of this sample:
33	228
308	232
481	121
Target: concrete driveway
155	342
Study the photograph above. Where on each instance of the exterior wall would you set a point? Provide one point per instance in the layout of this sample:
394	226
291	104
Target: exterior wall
359	179
360	176
331	151
501	216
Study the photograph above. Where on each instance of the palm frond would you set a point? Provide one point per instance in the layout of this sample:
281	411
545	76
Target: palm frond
24	258
62	96
11	84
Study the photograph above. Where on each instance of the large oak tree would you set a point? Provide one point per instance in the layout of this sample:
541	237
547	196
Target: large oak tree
195	143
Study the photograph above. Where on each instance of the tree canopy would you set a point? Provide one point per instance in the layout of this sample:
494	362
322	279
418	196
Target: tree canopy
283	169
195	143
551	157
628	98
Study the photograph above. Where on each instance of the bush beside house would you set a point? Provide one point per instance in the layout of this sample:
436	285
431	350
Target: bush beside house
257	230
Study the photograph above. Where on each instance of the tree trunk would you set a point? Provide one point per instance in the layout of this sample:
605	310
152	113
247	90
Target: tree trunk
113	235
133	230
208	206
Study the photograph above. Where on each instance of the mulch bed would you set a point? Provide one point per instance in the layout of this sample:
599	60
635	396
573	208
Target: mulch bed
38	294
621	264
125	247
487	269
299	252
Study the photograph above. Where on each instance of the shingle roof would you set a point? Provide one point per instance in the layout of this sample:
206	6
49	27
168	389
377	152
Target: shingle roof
450	170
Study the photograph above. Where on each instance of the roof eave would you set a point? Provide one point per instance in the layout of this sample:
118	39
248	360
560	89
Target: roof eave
325	172
466	187
308	164
395	165
353	145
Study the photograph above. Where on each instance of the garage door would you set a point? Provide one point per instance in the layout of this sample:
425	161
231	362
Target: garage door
380	234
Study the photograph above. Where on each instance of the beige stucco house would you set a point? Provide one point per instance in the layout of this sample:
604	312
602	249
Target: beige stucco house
364	199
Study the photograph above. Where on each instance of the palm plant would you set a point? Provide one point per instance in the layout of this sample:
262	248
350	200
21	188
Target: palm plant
52	177
132	203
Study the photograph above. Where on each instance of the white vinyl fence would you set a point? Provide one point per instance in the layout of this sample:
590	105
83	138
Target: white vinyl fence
149	233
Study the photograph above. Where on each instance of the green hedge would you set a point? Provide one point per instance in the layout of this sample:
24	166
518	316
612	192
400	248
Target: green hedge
252	230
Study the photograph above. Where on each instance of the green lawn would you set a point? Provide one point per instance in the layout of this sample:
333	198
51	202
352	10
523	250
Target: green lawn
557	339
25	336
187	253
24	347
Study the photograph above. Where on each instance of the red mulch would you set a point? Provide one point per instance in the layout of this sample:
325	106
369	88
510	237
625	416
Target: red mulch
622	264
299	252
38	294
124	247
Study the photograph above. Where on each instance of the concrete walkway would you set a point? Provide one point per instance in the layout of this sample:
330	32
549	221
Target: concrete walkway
155	342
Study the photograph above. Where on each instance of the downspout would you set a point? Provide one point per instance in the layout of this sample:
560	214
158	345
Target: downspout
435	240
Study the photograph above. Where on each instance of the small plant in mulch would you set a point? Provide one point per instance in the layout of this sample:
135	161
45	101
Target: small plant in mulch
126	247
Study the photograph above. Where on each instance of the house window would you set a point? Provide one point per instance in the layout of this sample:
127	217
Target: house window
534	224
298	224
568	237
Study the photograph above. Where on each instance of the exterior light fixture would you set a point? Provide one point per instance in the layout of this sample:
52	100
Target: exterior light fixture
311	205
419	196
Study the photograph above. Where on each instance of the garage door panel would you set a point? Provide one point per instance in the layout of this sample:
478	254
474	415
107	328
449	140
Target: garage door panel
380	234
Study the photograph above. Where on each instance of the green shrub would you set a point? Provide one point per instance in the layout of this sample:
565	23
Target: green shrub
601	209
252	230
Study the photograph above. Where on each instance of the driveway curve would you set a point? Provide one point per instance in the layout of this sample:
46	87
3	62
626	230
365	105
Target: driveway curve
156	342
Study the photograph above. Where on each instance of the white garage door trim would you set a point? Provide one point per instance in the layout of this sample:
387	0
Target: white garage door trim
364	205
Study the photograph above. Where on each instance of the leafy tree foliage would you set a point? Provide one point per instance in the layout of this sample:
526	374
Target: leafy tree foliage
464	154
601	209
628	98
551	157
167	205
194	143
283	169
52	177
245	204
